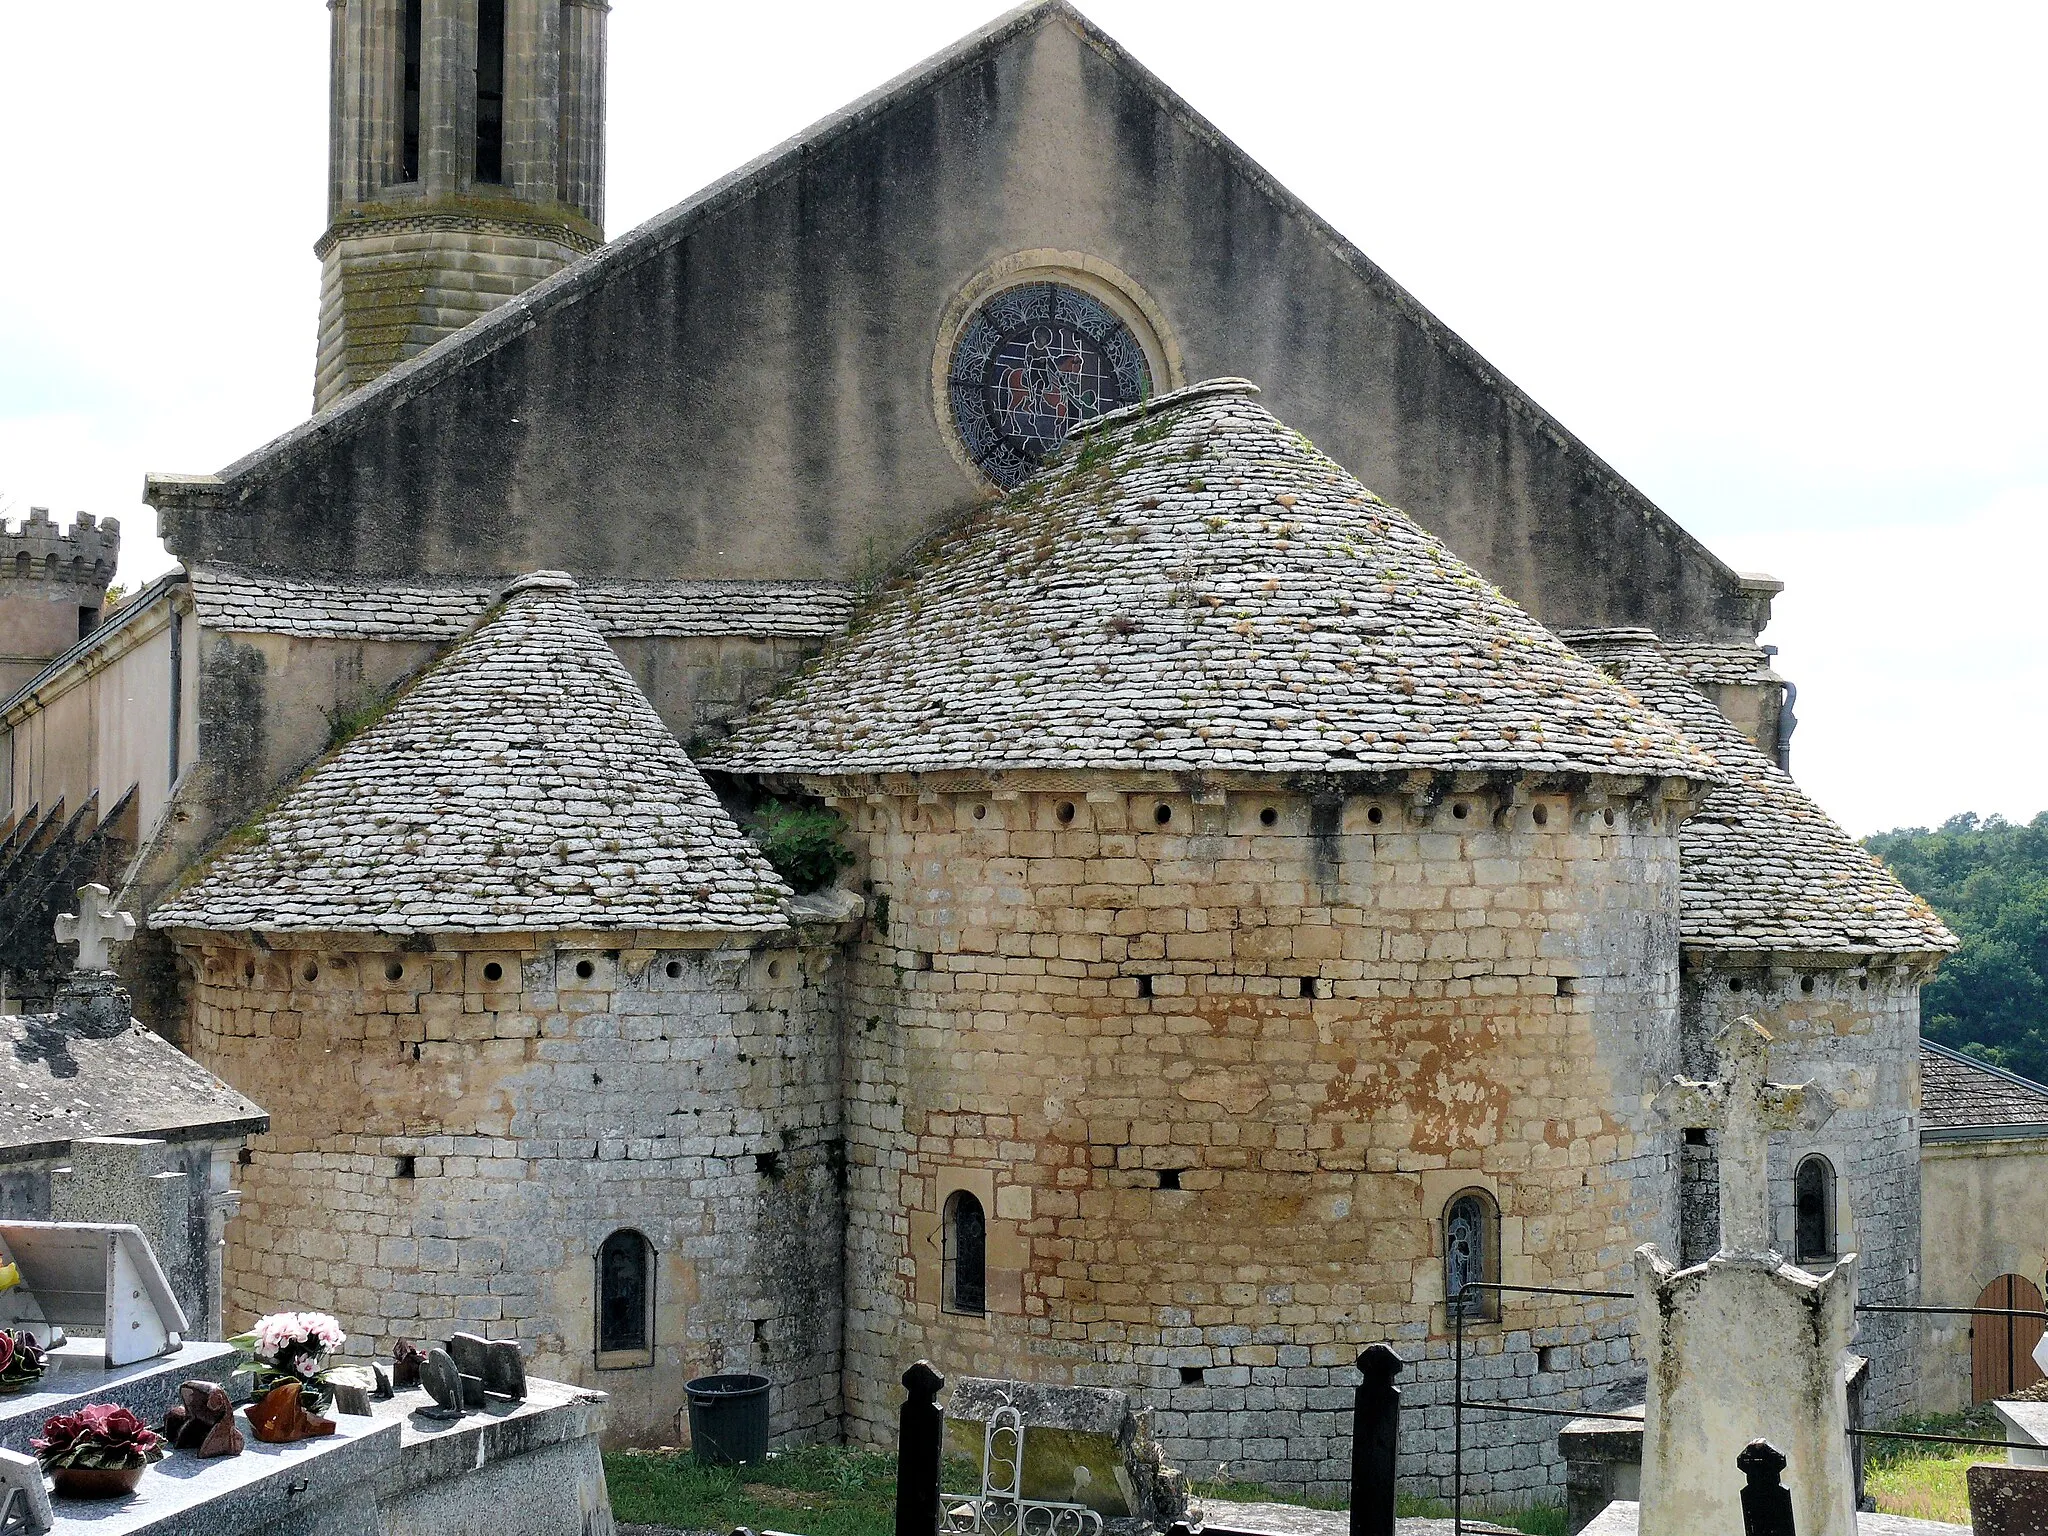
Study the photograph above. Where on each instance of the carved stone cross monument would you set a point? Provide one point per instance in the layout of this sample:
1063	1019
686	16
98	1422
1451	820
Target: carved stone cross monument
1745	1108
95	928
1744	1347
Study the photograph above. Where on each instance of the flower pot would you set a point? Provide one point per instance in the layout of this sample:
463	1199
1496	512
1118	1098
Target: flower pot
97	1482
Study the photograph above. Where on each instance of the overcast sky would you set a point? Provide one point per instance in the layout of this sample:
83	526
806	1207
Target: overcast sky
1781	266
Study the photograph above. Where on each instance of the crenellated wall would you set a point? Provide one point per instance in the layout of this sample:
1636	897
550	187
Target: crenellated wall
457	1132
53	583
1068	993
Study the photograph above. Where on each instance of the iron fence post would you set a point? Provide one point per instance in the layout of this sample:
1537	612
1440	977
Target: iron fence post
1375	1442
1766	1503
1458	1413
920	1435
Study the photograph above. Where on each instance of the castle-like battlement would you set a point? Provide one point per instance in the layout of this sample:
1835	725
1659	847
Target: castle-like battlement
84	554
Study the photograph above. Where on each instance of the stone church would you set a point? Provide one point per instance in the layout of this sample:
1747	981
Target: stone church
1231	907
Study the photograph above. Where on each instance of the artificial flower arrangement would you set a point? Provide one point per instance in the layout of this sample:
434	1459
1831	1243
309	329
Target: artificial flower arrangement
99	1452
21	1361
293	1347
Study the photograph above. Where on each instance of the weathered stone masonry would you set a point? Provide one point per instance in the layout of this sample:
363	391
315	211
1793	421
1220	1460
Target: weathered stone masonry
1326	1015
481	1119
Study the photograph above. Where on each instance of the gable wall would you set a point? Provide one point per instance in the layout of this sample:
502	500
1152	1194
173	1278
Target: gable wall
755	398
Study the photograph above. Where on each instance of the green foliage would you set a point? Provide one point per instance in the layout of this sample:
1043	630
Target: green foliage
801	840
820	1490
1926	1481
1989	881
354	716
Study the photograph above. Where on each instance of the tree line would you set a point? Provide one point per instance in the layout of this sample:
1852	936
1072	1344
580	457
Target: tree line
1988	879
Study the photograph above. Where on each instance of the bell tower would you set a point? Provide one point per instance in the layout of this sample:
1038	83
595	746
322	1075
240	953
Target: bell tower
466	163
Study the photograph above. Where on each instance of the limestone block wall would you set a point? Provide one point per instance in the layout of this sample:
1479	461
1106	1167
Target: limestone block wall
1853	1025
455	1133
1320	1018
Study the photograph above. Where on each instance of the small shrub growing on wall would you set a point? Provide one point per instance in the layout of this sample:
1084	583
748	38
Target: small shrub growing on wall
802	841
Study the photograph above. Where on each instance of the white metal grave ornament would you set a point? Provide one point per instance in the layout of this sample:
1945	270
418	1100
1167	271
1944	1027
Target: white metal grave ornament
1745	1346
1001	1509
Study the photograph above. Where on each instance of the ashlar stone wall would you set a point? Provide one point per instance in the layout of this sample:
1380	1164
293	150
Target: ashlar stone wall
1852	1025
455	1133
1215	1059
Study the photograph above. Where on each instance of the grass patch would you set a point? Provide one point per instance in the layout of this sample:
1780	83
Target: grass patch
1926	1482
819	1490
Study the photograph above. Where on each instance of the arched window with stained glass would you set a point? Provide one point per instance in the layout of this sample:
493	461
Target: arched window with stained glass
1472	1254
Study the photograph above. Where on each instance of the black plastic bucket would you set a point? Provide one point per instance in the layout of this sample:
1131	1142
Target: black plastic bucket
729	1419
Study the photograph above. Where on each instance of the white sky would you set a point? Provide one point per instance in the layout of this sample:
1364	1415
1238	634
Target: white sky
1781	266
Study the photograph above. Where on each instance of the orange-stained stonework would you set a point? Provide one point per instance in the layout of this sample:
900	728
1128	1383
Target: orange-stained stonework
1326	1012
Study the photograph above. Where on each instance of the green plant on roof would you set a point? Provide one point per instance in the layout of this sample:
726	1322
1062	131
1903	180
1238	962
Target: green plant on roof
801	840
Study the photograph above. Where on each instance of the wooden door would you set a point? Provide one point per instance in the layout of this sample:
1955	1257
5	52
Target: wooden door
2002	1348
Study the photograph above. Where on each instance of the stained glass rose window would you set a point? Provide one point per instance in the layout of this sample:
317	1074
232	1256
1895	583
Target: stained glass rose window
1033	363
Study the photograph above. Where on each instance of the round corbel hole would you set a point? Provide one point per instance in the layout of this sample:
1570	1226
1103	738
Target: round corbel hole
1064	811
775	970
585	969
1608	816
312	971
1162	813
1375	815
394	970
981	813
673	969
1806	983
1269	817
1734	983
1461	810
1540	815
248	970
493	971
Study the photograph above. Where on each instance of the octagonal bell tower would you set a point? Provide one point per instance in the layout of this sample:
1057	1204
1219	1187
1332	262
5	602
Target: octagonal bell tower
466	163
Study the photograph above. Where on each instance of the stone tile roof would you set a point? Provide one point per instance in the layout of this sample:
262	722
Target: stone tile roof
1713	661
255	602
1958	1093
1761	867
1193	586
523	784
59	1082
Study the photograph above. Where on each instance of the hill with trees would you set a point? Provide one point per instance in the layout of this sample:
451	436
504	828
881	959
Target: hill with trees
1989	881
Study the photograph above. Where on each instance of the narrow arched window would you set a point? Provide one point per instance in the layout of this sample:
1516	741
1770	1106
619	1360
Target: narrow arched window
1813	1211
625	1297
490	90
409	133
21	566
966	1255
1472	1254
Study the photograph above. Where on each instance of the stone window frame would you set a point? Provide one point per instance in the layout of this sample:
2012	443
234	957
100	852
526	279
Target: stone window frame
1439	1187
1830	1210
1006	1209
1109	285
1484	1306
951	1215
625	1359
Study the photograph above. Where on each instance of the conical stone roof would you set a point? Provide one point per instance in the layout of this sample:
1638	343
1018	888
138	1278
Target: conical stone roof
1192	586
524	784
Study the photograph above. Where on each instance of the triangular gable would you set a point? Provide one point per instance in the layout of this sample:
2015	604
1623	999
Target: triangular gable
744	386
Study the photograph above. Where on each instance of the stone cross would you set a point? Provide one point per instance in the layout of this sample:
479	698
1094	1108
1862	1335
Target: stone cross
95	927
1745	1108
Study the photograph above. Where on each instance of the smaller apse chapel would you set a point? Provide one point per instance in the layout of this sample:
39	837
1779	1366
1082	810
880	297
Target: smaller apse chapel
549	1047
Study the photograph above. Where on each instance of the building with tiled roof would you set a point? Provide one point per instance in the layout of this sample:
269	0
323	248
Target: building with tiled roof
1193	588
524	784
1231	916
